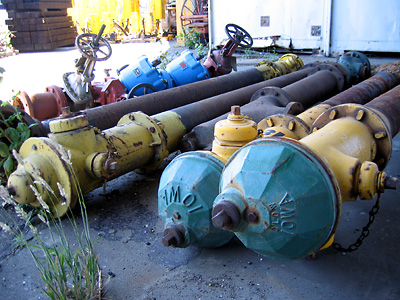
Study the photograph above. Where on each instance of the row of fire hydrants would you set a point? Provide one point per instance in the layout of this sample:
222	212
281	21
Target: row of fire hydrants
274	171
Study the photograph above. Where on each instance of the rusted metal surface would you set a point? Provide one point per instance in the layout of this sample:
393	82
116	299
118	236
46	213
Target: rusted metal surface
40	106
320	86
225	215
202	135
104	117
204	110
389	105
111	91
269	101
366	90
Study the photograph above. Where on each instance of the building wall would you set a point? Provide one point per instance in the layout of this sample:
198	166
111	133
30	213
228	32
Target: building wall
332	26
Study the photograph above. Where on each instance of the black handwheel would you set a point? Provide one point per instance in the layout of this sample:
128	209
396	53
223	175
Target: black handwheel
238	35
90	46
146	87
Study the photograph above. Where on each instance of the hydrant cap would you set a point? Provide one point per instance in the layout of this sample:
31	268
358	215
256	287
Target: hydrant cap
291	191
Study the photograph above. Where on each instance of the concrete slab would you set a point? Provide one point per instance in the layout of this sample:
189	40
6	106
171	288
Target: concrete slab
126	221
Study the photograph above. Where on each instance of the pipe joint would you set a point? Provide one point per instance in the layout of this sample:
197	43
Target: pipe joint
357	66
284	125
159	143
275	95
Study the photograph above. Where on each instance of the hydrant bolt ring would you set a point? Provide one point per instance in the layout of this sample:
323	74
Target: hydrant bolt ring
369	117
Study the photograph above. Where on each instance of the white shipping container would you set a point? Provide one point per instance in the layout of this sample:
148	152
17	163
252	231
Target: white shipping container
332	26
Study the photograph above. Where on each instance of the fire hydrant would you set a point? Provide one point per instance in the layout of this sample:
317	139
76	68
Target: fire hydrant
282	197
189	185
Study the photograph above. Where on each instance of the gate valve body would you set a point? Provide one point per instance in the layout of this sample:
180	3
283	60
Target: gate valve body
189	185
93	48
283	197
220	61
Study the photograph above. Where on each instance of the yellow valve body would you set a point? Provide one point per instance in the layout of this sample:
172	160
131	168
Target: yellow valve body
286	64
344	143
90	157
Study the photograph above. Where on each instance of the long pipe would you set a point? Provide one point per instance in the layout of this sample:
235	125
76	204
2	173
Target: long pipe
389	105
107	116
367	90
220	104
362	93
307	91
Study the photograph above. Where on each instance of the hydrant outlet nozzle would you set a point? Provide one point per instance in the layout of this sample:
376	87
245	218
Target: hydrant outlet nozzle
386	182
173	236
225	216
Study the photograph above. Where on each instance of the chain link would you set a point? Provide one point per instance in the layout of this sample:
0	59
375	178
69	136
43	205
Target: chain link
365	230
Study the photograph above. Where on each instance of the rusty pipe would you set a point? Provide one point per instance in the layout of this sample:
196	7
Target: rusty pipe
318	87
217	105
367	90
104	117
267	101
358	94
389	105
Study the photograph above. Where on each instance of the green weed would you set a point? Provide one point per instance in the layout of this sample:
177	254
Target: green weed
68	267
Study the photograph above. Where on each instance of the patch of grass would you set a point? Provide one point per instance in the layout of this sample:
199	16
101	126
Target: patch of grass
68	266
265	54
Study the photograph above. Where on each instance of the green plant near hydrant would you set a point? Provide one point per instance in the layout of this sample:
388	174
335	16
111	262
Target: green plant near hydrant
192	40
13	133
68	266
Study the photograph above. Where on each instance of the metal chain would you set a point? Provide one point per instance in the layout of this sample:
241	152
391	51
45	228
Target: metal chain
365	230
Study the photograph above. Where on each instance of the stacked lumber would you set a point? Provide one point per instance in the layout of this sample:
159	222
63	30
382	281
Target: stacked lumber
39	25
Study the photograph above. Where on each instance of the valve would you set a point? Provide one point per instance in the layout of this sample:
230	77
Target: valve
220	61
142	77
275	211
186	192
76	153
93	48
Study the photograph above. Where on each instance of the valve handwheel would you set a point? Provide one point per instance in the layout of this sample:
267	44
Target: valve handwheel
238	35
93	47
145	86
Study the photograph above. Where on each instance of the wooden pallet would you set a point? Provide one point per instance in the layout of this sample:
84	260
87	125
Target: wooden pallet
40	24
